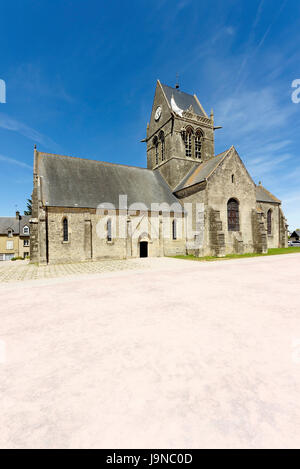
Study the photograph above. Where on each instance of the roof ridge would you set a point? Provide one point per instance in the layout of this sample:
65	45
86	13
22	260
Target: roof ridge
222	157
186	177
268	192
219	154
199	167
88	159
178	90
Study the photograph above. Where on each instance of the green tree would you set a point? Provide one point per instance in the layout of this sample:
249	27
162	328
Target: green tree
29	207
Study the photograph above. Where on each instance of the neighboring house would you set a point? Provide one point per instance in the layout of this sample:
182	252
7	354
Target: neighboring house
295	236
14	237
190	201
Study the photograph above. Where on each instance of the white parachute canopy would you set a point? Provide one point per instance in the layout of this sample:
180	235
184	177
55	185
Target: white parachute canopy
175	108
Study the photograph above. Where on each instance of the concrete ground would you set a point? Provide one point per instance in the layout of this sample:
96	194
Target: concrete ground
175	354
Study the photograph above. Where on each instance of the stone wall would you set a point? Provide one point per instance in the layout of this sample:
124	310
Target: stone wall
273	239
88	235
260	241
216	234
176	165
283	230
197	226
231	180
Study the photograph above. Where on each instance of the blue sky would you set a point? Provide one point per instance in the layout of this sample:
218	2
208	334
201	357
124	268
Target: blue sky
80	78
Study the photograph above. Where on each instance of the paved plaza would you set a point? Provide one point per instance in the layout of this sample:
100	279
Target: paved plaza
16	271
166	354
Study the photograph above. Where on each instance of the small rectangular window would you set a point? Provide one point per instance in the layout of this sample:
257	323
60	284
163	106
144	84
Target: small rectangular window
174	230
26	242
65	230
109	236
9	245
269	222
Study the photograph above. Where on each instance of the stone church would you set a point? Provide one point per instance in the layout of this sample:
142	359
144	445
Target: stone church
187	201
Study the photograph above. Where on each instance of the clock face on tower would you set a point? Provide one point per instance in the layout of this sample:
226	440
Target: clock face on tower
157	113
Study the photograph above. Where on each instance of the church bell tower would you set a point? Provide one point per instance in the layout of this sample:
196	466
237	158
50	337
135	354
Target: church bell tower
180	135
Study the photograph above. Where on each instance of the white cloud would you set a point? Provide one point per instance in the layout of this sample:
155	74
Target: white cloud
257	122
31	79
230	30
291	204
252	111
251	48
11	124
262	166
9	160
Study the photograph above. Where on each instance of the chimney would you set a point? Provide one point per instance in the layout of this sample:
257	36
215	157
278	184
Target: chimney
17	215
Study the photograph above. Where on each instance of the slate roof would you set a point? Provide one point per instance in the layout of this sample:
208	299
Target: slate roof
183	100
76	182
202	171
297	232
13	224
263	195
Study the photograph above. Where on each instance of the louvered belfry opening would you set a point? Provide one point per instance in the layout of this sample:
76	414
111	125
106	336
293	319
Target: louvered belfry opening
198	144
188	143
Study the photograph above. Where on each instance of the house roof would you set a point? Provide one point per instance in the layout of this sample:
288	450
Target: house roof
200	172
14	224
183	100
297	232
74	182
263	195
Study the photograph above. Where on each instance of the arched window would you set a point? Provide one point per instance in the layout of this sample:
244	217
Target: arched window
174	229
188	142
155	143
198	144
65	230
233	215
162	139
232	178
109	235
269	221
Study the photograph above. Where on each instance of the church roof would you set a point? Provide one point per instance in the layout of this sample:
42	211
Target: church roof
263	195
14	224
75	182
183	100
200	172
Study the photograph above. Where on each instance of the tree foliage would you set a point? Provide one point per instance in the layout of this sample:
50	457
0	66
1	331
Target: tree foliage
29	207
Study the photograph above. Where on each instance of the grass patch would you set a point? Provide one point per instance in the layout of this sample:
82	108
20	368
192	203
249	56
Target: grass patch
271	252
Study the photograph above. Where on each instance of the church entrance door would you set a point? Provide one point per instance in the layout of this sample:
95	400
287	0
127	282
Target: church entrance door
143	249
